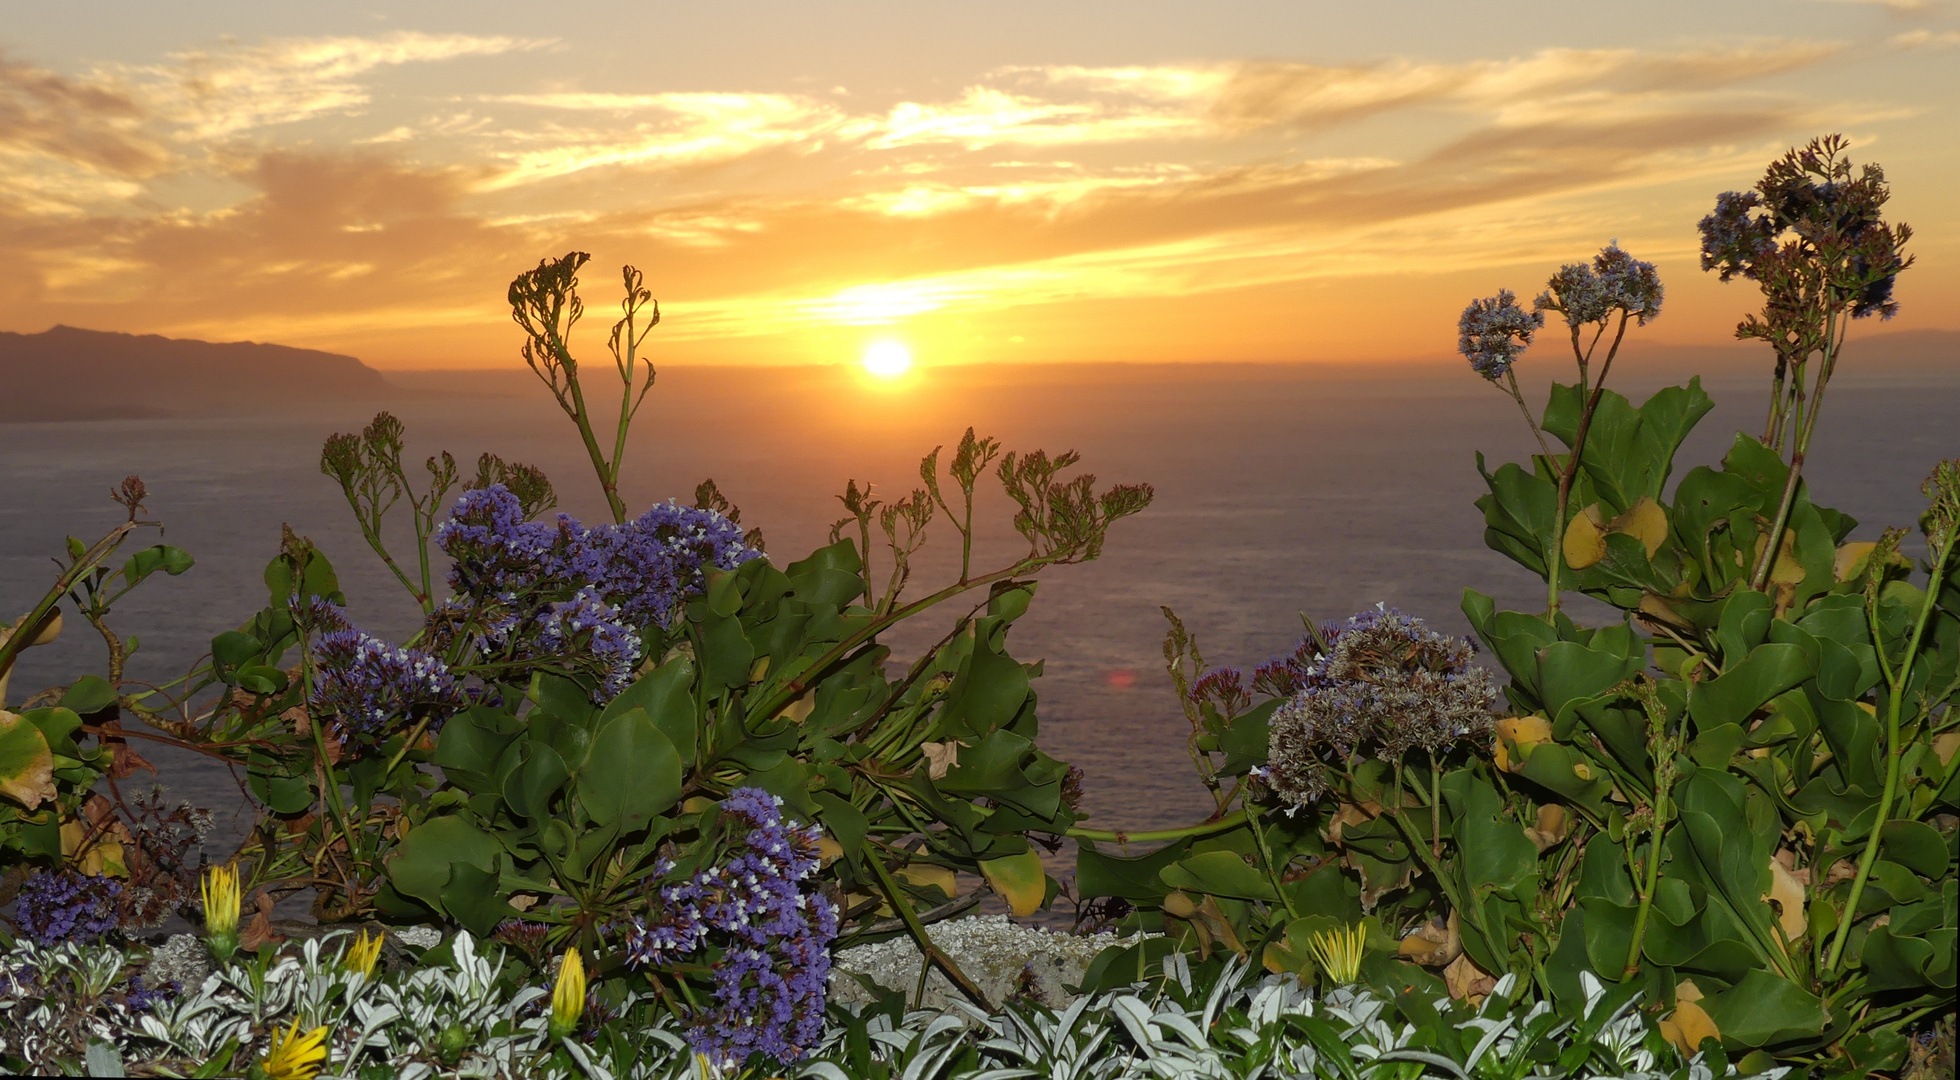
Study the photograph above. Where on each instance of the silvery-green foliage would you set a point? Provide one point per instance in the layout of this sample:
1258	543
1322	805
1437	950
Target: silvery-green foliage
465	1018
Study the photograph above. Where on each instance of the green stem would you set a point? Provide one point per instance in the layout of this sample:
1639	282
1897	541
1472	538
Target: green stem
420	726
1117	836
1806	426
1893	752
1646	897
31	624
1272	870
1435	806
931	952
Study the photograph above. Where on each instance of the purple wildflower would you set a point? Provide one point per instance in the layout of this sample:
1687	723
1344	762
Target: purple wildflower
773	930
1733	239
497	553
1494	331
140	998
1616	281
588	634
647	566
371	685
63	905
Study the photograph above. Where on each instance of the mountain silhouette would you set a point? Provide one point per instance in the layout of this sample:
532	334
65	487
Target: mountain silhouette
70	374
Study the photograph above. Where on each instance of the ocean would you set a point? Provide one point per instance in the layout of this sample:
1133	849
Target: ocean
1282	490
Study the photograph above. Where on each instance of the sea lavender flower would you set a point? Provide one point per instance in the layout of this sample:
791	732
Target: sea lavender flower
1494	331
373	686
1733	238
772	930
1388	685
1616	281
497	553
587	634
647	566
63	905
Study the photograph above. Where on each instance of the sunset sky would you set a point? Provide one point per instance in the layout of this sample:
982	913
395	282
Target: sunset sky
1007	182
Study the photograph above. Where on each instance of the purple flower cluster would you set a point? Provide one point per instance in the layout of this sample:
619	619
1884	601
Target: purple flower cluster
1616	281
63	905
589	633
772	929
1734	239
1387	685
496	553
372	685
1494	331
644	568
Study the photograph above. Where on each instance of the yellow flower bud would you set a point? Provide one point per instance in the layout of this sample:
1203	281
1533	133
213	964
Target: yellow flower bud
568	997
362	954
221	910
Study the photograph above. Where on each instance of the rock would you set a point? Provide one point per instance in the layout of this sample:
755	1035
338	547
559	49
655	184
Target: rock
421	937
181	959
1006	961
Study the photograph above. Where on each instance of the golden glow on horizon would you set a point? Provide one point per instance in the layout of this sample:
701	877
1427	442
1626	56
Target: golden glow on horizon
887	359
1230	206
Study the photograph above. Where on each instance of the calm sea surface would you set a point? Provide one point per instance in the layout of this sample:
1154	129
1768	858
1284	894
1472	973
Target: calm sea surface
1280	490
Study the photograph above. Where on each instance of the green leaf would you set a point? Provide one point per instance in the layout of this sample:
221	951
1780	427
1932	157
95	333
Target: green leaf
633	773
666	695
539	773
1763	1009
232	648
1219	873
1497	856
1738	692
474	898
989	690
727	654
420	865
845	822
170	560
1134	878
1915	845
561	697
474	740
26	762
89	694
830	575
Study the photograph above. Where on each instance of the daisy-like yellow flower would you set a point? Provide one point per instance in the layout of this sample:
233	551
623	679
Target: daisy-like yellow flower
1339	952
221	910
293	1056
568	997
362	954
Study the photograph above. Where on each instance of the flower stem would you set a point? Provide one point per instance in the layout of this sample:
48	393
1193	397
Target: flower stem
1893	751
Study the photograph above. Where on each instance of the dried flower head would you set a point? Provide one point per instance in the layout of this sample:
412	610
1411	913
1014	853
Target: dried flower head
1389	685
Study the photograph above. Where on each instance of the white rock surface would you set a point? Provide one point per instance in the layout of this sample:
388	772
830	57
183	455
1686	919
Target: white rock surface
1005	960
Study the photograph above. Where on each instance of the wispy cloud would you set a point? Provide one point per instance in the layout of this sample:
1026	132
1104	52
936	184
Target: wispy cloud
769	213
217	92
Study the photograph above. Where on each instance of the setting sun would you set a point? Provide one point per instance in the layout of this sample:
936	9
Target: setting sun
887	359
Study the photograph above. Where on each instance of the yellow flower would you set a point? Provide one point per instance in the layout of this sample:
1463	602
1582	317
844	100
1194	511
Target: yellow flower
568	997
221	910
1339	952
362	954
293	1056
